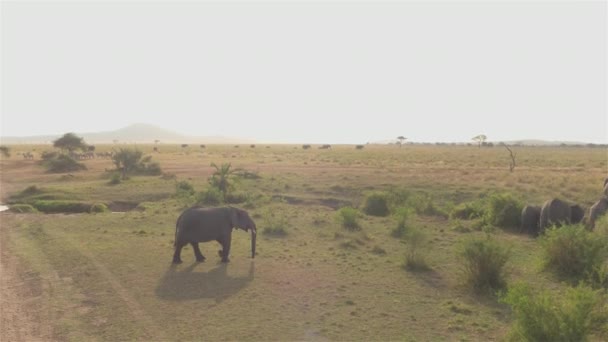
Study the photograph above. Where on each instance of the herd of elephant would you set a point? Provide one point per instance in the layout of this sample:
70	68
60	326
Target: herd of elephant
534	219
198	224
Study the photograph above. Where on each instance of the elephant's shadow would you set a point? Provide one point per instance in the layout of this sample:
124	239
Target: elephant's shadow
182	285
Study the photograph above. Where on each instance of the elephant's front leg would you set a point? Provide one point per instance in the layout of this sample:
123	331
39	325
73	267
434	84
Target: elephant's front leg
197	252
225	251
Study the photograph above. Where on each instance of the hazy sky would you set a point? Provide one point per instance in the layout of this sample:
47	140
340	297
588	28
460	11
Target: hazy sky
336	72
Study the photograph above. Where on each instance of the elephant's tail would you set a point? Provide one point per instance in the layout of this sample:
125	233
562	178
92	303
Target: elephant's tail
176	227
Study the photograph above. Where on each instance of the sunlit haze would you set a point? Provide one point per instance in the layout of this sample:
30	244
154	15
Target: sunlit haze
339	72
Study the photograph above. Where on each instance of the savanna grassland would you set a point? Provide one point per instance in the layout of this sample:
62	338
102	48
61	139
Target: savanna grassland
108	276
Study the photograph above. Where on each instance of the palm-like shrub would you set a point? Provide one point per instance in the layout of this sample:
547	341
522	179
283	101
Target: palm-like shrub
222	177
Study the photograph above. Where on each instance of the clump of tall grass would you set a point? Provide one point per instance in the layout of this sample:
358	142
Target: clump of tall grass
376	204
348	217
468	210
547	316
415	257
483	261
573	252
423	204
402	215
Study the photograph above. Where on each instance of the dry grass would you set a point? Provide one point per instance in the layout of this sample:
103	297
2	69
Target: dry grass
114	272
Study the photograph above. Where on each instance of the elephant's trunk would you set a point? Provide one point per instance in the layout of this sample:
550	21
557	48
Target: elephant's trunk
254	234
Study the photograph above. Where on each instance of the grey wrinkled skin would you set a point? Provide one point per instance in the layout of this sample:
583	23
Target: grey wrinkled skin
530	217
198	224
606	188
598	209
557	212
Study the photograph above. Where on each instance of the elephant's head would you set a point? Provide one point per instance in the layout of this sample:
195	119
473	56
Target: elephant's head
576	213
242	220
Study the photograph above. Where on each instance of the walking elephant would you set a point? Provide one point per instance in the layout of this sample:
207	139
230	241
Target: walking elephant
597	209
198	224
530	217
557	212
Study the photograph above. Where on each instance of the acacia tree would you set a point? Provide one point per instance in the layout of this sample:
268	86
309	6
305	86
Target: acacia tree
70	142
401	138
480	139
126	160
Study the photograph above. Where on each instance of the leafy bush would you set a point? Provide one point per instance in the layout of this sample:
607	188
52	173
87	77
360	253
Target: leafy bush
402	214
398	197
275	224
61	206
484	260
504	211
348	218
415	259
211	196
547	316
184	188
47	155
376	204
115	179
573	252
468	210
22	208
99	208
236	197
62	163
424	205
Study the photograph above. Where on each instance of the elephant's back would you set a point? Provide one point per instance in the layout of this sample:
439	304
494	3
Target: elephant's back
202	215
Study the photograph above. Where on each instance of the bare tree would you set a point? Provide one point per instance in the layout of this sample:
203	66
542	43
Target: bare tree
512	162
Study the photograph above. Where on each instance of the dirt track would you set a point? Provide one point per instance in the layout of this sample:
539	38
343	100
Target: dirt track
19	321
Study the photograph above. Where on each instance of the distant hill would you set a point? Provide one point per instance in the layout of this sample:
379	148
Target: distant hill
136	133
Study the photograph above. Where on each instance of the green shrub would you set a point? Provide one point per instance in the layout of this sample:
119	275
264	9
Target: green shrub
484	260
548	316
115	178
211	196
184	188
468	210
236	197
504	211
424	205
275	224
573	252
99	208
401	214
376	204
61	206
398	197
415	259
22	208
62	163
348	218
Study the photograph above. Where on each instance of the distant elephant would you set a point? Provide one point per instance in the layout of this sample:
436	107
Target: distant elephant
198	224
557	212
597	209
530	217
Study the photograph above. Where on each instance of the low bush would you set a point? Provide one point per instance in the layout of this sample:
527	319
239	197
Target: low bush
415	259
424	205
376	204
61	206
348	218
22	208
115	179
275	224
236	197
62	163
99	208
468	210
547	316
401	214
184	188
483	261
503	211
573	252
211	196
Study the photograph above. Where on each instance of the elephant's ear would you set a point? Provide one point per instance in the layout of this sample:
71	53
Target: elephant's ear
234	217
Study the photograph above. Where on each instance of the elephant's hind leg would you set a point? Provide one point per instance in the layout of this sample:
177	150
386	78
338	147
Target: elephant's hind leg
178	251
197	252
225	251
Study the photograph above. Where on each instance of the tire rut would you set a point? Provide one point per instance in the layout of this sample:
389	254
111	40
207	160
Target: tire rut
135	309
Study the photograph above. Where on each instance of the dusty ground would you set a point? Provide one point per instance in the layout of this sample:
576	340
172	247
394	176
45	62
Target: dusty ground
19	319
